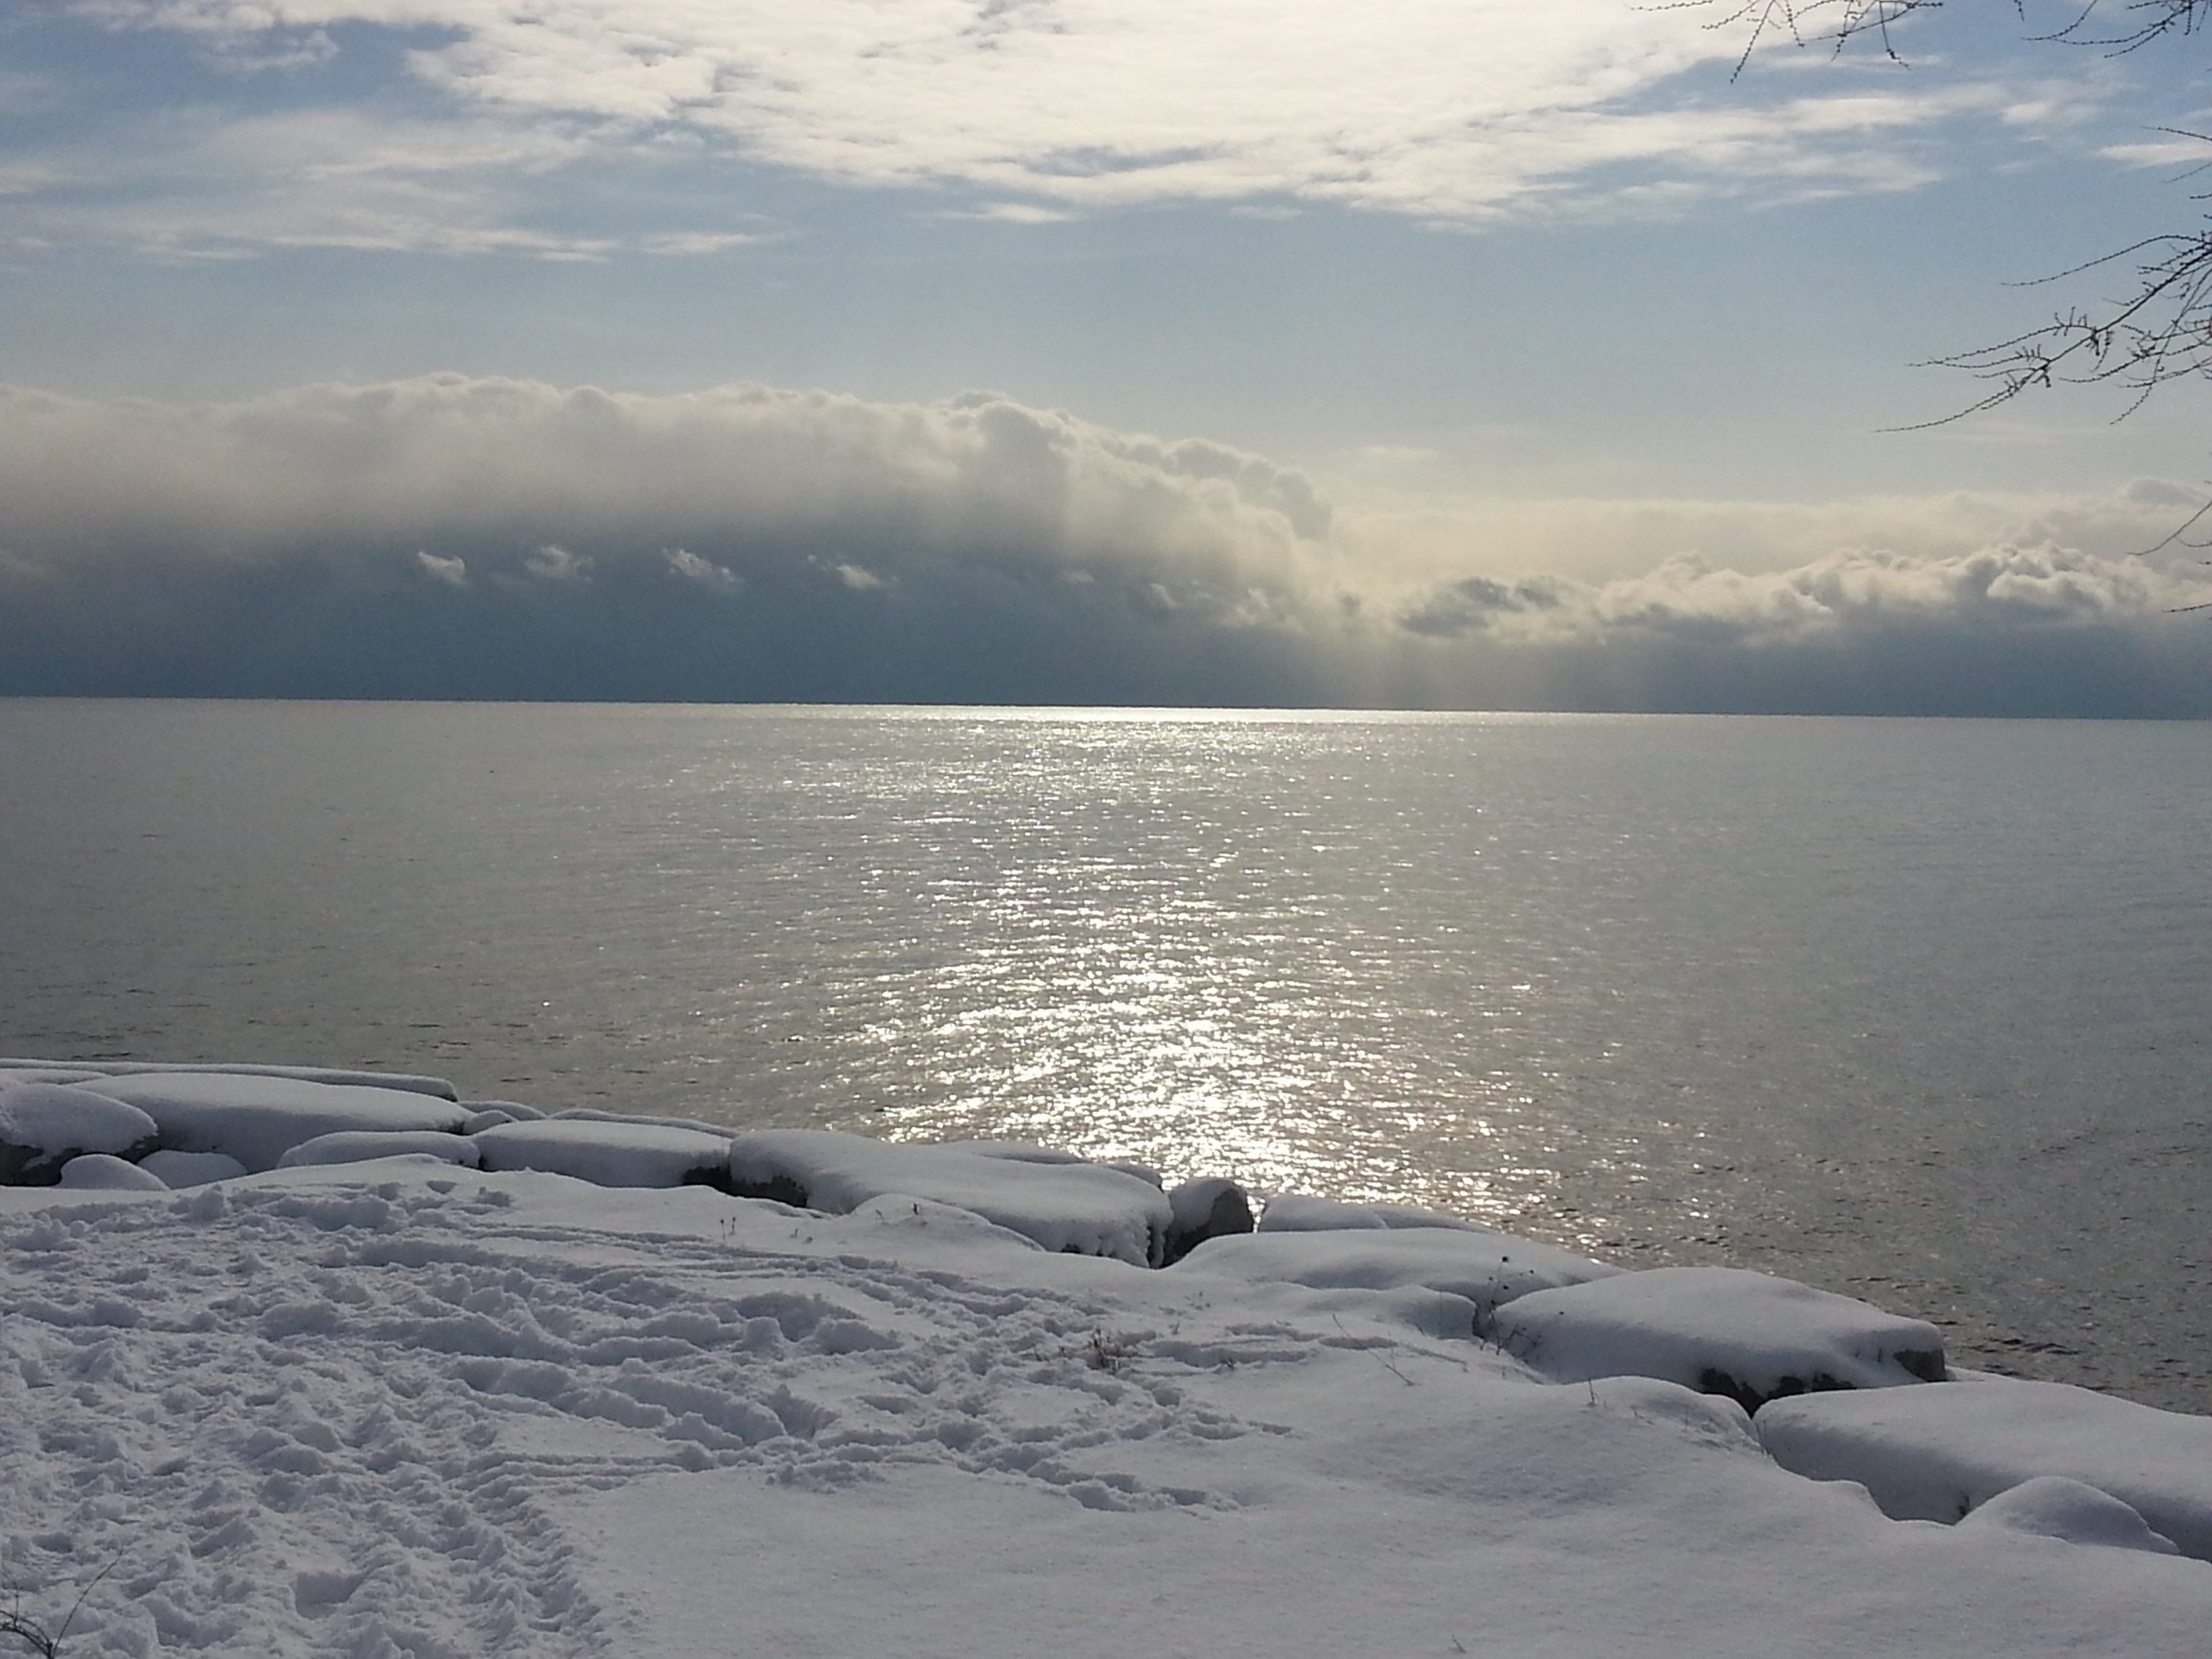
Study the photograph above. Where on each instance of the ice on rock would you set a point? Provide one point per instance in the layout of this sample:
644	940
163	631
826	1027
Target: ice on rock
1082	1209
1295	1213
1488	1268
1721	1330
359	1146
103	1172
608	1151
175	1169
405	1082
44	1125
1941	1454
257	1117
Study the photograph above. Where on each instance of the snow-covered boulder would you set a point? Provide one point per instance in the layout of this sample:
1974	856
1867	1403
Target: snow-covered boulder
359	1146
104	1172
511	1111
1030	1151
1487	1268
257	1117
1211	1207
1295	1213
405	1082
44	1125
1941	1454
608	1151
30	1071
1083	1208
1719	1330
175	1169
2051	1506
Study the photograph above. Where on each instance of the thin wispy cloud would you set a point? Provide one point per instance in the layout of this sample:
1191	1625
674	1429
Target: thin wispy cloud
1451	110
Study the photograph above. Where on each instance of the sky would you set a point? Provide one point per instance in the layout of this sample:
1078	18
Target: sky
1450	353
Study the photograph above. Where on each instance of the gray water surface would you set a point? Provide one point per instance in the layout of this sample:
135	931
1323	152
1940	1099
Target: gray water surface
1914	1010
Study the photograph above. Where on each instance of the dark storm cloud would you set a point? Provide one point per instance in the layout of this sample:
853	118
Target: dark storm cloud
450	537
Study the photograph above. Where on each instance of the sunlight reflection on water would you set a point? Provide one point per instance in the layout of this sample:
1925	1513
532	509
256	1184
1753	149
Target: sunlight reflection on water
1882	1004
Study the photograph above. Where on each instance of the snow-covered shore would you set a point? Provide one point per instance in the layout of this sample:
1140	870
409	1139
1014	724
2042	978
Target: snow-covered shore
449	1402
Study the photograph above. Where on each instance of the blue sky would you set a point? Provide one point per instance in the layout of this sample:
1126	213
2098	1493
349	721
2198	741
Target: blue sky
1536	296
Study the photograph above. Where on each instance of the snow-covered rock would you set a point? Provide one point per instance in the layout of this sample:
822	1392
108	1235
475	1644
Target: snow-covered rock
257	1117
44	1125
176	1168
405	1082
1030	1151
512	1111
1210	1208
1487	1268
103	1172
1295	1213
1941	1454
1721	1330
402	1408
608	1151
1083	1208
359	1146
2051	1506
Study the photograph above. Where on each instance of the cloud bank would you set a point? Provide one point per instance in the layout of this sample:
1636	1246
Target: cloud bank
458	538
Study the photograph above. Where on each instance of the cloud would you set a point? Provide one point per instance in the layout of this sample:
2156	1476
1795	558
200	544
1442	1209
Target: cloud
452	537
453	571
1025	111
715	577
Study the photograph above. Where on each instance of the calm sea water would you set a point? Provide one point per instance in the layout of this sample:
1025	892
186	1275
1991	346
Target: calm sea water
1915	1010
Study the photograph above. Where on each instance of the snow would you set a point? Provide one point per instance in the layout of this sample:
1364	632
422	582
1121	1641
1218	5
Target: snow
1721	1329
406	1082
257	1117
404	1409
1486	1268
105	1172
359	1146
44	1125
1295	1213
176	1168
609	1153
1938	1454
2051	1506
1082	1209
512	1111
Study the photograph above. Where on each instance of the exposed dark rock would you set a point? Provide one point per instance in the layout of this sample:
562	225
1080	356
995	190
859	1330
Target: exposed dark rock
44	1125
1712	1380
777	1189
1209	1207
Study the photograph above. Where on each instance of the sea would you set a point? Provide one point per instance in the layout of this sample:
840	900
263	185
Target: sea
1913	1010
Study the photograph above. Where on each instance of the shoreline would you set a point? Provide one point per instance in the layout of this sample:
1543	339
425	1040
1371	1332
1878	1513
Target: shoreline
403	1406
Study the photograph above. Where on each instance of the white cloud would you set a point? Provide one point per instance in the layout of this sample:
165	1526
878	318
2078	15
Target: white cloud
1453	110
552	563
1853	589
715	578
454	571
